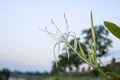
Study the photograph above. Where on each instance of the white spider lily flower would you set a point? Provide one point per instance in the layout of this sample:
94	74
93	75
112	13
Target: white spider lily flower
62	38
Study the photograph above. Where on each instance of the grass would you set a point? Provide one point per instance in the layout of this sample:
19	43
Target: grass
71	78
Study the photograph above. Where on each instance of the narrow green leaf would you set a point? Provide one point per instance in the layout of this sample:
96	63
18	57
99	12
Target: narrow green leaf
93	52
67	50
81	49
89	55
113	28
93	37
113	75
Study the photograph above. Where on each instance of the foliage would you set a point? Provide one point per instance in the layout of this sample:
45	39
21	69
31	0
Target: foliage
64	38
73	58
101	39
4	74
102	43
114	75
113	28
72	78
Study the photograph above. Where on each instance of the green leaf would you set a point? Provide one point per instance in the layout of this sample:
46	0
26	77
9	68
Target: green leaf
113	75
93	37
113	28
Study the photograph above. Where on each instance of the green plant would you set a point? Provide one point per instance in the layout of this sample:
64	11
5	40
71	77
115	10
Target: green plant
113	28
102	40
66	36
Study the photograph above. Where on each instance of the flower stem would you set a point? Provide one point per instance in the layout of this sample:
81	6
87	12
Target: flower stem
94	66
85	60
102	73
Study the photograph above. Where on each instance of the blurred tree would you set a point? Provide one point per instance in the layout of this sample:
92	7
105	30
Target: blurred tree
65	63
54	69
102	40
102	47
4	74
57	69
73	60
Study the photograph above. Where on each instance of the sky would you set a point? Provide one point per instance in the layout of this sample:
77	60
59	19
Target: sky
23	47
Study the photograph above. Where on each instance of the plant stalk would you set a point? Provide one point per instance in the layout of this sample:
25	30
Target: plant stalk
102	73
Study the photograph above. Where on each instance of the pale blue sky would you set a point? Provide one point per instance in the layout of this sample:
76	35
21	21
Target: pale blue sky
24	47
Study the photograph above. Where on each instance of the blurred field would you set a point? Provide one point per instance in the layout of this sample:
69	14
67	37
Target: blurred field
88	75
70	78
